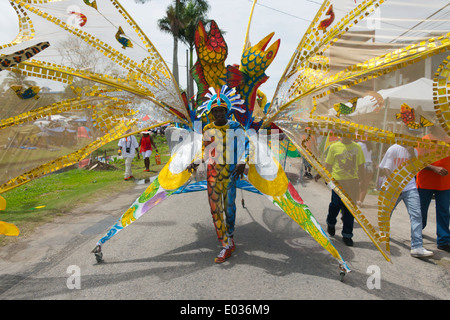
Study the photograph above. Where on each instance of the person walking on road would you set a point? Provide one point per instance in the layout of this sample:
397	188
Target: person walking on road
128	147
225	165
146	143
345	161
395	156
434	180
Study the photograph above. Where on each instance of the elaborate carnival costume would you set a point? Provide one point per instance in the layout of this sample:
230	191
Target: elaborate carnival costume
230	148
140	93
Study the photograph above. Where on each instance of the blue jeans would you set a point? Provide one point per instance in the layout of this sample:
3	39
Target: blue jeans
335	206
411	200
442	198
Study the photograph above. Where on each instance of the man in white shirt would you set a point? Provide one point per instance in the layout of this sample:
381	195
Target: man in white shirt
128	147
395	156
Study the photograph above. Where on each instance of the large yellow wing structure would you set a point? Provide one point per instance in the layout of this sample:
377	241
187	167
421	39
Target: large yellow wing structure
99	77
358	62
7	229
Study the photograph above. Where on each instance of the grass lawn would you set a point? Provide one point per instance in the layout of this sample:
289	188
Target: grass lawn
40	200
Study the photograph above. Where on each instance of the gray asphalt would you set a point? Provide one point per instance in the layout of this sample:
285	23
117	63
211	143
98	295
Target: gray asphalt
168	254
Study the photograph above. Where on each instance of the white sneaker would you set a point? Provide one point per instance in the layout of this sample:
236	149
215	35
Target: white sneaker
421	253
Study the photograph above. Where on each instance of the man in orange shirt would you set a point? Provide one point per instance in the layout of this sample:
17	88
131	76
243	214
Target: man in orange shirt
435	180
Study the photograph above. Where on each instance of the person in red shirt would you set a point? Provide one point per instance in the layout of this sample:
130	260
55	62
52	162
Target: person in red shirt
435	180
146	144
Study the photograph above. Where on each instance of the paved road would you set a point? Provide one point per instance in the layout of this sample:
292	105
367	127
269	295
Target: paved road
169	253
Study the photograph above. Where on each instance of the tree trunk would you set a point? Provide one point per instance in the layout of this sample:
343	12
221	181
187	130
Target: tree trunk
175	44
191	79
175	59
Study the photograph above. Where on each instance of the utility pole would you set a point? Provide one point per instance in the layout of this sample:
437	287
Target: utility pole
188	85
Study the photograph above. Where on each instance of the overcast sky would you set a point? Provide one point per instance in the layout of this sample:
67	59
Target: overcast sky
289	19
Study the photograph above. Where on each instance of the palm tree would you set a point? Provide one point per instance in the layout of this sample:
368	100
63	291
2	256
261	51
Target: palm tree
17	78
172	24
194	11
180	21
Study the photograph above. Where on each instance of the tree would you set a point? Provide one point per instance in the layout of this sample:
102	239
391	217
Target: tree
180	21
194	11
172	24
17	78
12	105
77	54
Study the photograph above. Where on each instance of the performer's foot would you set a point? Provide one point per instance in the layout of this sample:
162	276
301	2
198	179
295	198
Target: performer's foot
233	247
224	254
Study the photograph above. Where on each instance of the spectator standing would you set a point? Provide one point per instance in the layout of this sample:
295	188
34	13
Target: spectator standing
434	180
146	143
128	147
395	156
345	162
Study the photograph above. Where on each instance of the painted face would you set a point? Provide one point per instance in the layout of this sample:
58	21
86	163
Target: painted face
220	115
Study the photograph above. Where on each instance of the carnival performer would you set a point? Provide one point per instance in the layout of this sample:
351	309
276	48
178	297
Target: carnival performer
146	143
225	150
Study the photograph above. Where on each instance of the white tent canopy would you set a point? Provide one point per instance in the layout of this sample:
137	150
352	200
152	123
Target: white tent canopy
57	117
416	94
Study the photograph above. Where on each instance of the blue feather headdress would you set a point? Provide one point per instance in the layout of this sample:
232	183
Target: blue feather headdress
227	98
